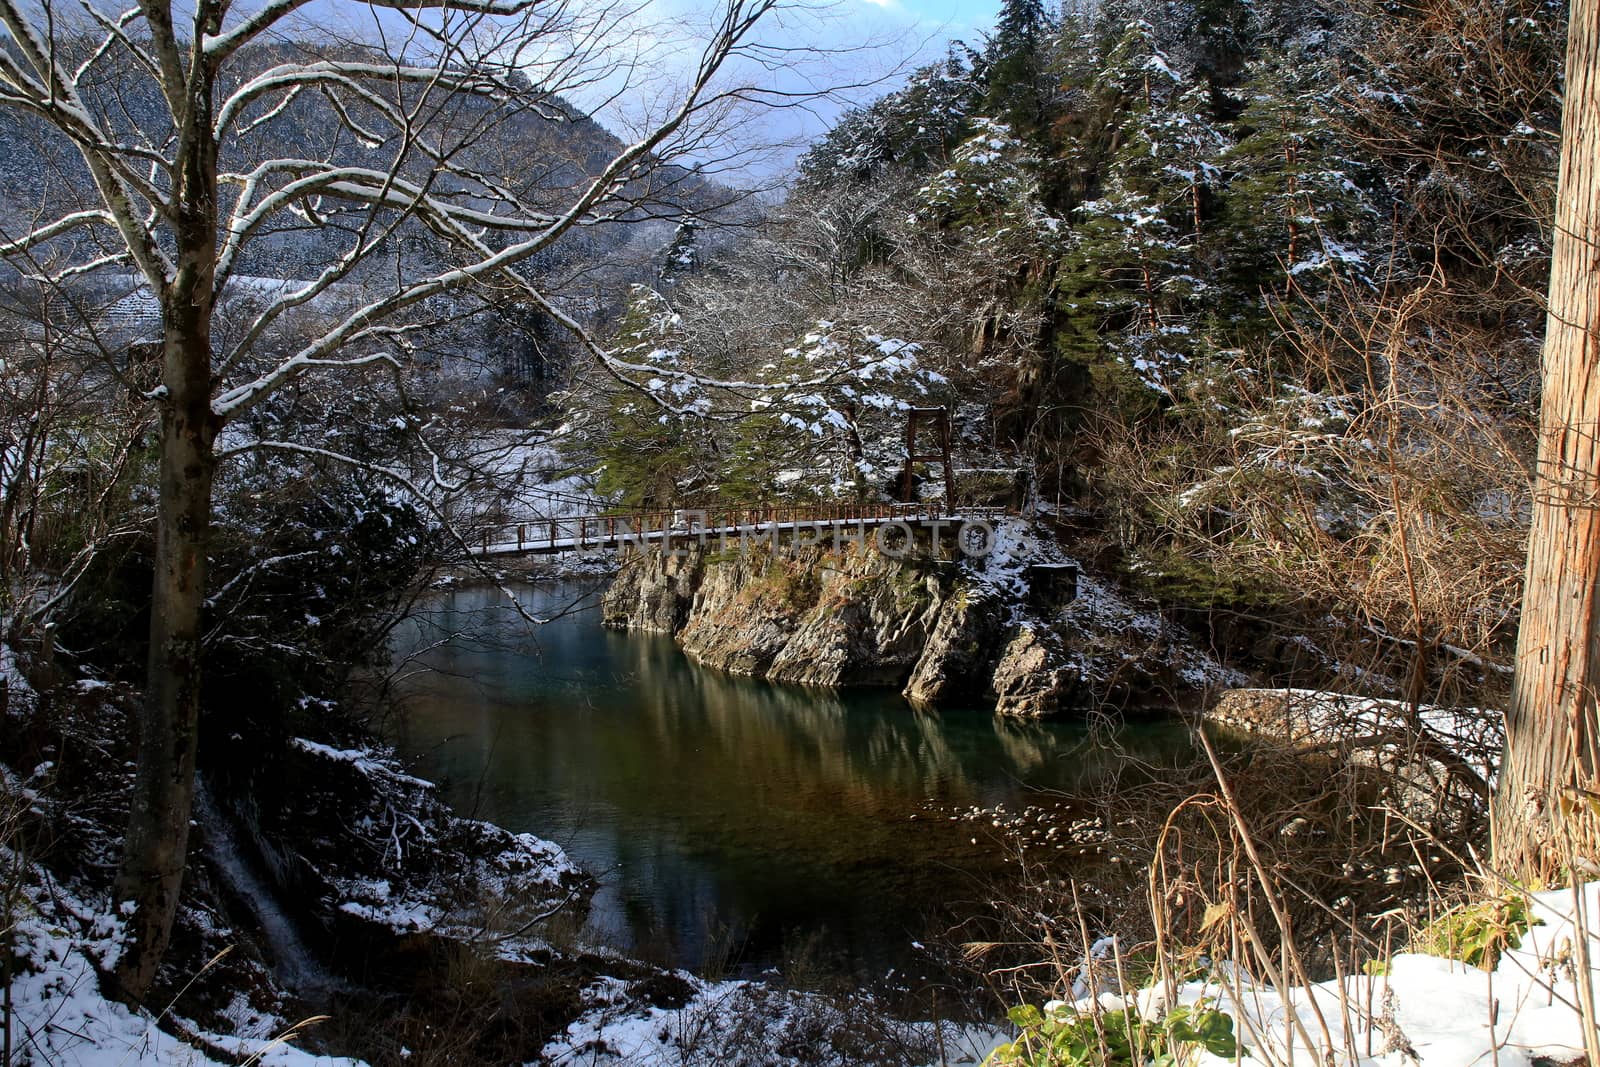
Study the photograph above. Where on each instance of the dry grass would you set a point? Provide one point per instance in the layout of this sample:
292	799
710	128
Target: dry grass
1226	905
1158	858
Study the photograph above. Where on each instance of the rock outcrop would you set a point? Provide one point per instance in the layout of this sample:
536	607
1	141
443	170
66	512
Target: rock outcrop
947	633
653	592
957	664
811	616
1032	676
1437	764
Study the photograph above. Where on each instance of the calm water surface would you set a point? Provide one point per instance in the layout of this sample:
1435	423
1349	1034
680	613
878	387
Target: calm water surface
724	816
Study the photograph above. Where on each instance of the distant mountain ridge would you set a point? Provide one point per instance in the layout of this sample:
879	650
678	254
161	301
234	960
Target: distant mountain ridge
537	148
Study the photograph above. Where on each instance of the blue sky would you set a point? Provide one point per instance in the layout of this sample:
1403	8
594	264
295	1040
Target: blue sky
915	32
961	16
864	46
879	41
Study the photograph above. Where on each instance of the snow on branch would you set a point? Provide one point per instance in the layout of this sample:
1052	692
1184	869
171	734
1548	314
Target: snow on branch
289	76
52	93
416	492
65	224
739	18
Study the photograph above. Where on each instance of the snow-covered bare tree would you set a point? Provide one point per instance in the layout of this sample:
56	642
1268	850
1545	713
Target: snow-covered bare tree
164	132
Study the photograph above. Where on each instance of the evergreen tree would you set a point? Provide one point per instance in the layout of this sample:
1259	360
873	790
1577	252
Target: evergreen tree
1219	39
1458	103
683	254
1545	819
990	182
914	129
1131	284
927	119
856	149
1017	70
1208	42
656	450
1294	209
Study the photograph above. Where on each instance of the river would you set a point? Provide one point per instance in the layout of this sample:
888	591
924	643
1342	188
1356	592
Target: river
733	825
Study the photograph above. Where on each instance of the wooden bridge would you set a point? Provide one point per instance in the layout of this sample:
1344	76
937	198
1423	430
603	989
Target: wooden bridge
843	522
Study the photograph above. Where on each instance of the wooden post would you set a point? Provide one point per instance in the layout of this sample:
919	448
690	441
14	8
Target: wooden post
1552	732
940	418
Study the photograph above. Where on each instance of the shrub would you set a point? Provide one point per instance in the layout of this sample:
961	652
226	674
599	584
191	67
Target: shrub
1476	934
1063	1036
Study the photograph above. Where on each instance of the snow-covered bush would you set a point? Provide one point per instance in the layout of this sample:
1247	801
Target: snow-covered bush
822	416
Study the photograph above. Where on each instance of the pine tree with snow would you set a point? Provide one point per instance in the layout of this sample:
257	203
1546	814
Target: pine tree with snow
926	120
914	129
1294	208
990	183
656	449
683	254
1132	283
1016	66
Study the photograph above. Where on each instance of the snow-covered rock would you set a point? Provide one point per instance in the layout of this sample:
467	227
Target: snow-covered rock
688	1021
1429	754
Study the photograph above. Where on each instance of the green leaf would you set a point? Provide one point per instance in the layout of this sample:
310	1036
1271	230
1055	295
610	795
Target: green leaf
1216	1033
1025	1016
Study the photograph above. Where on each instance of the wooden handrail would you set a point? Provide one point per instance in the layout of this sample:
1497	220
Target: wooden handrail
614	529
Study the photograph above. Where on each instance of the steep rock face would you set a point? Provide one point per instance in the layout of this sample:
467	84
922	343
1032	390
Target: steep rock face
742	615
1032	678
653	592
957	664
866	630
812	617
949	634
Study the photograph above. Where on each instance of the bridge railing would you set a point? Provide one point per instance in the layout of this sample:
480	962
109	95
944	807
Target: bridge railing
619	527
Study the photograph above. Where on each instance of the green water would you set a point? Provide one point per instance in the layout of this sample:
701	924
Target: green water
727	820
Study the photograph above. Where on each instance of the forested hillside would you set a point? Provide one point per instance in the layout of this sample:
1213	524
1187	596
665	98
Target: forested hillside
1250	294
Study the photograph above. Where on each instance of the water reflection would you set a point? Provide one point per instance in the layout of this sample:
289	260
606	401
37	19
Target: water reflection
708	803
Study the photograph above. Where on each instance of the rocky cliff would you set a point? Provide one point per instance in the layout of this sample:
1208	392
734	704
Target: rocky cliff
806	616
947	633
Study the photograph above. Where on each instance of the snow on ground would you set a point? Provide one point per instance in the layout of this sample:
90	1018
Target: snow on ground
1100	609
1426	1011
1017	545
748	1024
1475	735
409	890
59	1016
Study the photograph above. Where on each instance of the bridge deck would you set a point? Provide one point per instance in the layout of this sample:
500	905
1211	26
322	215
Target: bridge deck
581	533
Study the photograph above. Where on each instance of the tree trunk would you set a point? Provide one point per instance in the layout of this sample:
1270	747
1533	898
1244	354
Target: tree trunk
168	732
168	728
1551	726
